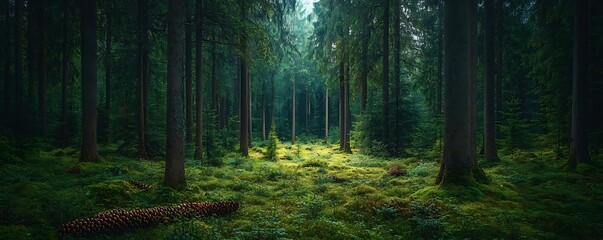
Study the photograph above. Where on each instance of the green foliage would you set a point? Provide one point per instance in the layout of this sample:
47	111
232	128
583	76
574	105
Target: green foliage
272	145
212	144
515	129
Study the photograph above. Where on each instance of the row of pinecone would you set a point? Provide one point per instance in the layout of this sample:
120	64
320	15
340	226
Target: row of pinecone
119	220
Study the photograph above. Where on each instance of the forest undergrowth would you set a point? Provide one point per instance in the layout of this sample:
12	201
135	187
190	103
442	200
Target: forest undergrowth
311	191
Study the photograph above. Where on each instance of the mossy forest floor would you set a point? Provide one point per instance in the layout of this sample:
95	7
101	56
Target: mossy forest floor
311	192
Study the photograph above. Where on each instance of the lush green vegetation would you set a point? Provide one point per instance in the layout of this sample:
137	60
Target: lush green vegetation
311	191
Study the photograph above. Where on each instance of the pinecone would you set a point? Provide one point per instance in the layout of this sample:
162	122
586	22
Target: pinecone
140	185
119	220
395	171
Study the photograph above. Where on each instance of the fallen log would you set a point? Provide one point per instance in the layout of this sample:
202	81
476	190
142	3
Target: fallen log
119	220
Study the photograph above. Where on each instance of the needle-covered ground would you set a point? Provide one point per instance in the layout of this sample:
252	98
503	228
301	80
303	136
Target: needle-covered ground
310	192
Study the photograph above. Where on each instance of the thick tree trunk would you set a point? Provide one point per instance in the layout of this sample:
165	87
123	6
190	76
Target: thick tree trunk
174	165
244	97
140	84
397	147
189	77
88	58
473	82
579	140
489	130
199	78
42	69
385	76
65	76
458	166
108	46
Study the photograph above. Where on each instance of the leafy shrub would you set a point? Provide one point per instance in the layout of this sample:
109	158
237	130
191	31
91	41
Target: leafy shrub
427	220
313	205
314	163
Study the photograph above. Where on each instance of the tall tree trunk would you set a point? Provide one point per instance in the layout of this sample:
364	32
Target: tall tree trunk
65	75
88	58
174	165
31	50
385	76
473	82
108	46
346	108
489	140
7	57
293	112
364	65
42	69
189	77
250	103
579	140
145	69
18	88
272	95
199	78
341	111
397	76
499	63
140	85
440	56
326	114
214	78
458	166
263	110
244	97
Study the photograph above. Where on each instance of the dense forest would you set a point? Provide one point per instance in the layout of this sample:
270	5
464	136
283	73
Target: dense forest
301	119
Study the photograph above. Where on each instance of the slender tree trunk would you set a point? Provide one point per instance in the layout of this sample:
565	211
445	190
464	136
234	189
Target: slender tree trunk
458	167
264	110
65	75
189	77
145	69
140	86
174	165
19	81
31	50
364	66
347	113
272	95
440	56
385	76
88	58
293	112
579	140
489	73
199	78
250	103
108	45
499	63
397	76
8	81
214	78
473	82
341	106
244	113
326	114
42	69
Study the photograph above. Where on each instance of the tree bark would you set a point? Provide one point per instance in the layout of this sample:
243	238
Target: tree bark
65	75
347	113
263	110
140	86
489	73
174	169
499	63
199	78
31	50
385	76
458	167
145	68
396	90
108	46
250	103
8	81
18	87
42	68
189	77
244	97
440	57
326	114
88	63
473	81
293	112
341	111
364	66
579	138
